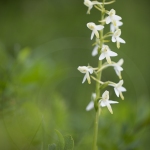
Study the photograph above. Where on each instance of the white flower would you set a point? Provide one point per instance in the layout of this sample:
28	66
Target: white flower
86	70
90	4
102	102
116	38
106	102
95	28
118	68
91	104
112	17
118	88
106	53
115	25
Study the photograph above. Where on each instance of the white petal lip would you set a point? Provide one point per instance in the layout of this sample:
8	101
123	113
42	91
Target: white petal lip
90	106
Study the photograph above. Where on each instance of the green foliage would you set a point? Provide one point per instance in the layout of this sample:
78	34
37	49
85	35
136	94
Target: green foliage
52	147
63	143
69	142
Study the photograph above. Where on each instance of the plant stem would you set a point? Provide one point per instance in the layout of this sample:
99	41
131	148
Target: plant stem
97	108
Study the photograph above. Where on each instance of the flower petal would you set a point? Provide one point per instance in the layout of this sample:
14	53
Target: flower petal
109	107
120	83
96	33
105	95
95	50
102	103
116	91
112	27
88	78
112	102
116	17
90	106
111	53
90	70
120	40
84	79
102	56
92	35
99	27
120	62
113	39
108	20
122	89
108	59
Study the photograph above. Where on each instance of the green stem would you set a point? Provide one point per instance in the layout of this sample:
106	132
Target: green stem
97	108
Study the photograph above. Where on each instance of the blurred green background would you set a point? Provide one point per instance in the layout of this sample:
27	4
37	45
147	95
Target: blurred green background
42	42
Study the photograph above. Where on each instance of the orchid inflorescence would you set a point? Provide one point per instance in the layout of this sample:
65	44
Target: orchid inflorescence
105	53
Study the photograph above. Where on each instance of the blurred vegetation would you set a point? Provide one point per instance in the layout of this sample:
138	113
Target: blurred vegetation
42	42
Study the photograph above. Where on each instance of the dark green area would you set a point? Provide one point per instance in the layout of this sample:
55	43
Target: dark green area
42	42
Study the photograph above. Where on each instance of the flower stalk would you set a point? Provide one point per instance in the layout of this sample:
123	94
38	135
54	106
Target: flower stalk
102	100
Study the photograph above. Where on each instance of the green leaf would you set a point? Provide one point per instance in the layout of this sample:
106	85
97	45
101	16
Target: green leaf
61	141
69	142
52	146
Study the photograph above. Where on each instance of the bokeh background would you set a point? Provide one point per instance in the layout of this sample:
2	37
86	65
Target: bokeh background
42	42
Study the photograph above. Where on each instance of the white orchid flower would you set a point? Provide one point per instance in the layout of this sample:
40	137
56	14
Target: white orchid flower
115	25
90	4
112	17
106	102
107	53
86	71
91	104
102	102
116	38
95	28
118	88
118	68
